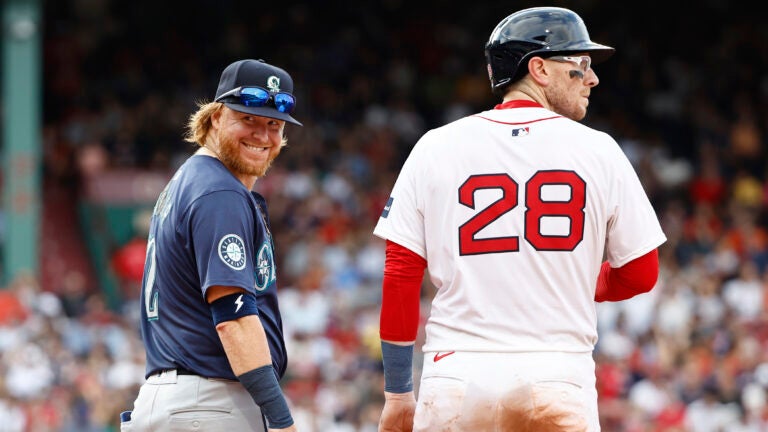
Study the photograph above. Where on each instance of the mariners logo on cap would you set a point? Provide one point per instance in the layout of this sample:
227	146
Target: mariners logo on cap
273	83
232	251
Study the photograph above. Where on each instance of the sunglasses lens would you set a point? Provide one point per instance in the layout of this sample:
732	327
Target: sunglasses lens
254	97
284	102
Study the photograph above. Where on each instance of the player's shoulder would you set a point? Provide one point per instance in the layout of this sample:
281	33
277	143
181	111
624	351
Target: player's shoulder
451	128
203	175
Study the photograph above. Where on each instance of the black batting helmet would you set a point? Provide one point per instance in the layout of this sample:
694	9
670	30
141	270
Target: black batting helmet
538	31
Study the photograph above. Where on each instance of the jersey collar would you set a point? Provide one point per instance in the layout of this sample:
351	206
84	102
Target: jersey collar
519	103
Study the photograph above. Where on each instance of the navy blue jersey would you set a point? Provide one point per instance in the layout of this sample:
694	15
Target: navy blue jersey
207	229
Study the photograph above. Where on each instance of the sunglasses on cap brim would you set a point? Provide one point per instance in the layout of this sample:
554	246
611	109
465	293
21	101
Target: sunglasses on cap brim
254	96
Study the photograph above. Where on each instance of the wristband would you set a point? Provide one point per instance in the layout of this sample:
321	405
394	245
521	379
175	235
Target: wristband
262	384
398	367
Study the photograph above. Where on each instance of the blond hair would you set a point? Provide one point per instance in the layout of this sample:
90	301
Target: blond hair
199	124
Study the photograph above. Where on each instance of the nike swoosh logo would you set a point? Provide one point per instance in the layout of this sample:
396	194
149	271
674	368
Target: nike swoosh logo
439	356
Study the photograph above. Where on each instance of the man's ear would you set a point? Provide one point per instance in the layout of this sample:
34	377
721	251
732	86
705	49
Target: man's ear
539	70
216	117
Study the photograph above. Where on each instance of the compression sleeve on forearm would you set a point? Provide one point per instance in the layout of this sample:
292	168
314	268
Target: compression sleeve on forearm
401	287
398	367
635	277
265	390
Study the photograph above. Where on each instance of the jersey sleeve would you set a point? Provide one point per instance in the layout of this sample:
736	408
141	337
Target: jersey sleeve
402	219
633	227
222	232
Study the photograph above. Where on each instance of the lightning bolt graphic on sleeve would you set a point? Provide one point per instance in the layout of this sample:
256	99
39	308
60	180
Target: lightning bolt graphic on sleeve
239	302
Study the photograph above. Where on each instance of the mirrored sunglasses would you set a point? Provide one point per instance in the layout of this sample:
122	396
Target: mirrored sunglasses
254	96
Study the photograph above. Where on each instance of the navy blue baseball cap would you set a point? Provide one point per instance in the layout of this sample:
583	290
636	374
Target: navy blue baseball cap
246	75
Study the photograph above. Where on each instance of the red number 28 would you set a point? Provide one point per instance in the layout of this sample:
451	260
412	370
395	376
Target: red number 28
536	208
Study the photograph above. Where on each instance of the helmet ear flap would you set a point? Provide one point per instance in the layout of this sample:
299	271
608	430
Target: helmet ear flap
507	63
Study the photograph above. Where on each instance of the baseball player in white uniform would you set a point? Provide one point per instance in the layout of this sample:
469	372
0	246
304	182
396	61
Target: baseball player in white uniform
524	218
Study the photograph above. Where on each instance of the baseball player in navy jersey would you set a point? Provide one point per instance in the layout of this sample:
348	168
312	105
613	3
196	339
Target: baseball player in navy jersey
513	210
209	313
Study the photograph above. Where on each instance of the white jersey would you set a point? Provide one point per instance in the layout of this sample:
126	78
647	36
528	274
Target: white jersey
514	209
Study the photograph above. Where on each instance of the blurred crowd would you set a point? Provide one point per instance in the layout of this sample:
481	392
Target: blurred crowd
687	99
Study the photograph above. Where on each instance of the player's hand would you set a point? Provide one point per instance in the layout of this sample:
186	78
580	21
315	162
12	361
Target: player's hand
397	415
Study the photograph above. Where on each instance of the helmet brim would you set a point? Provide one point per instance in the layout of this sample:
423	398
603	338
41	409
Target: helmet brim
598	52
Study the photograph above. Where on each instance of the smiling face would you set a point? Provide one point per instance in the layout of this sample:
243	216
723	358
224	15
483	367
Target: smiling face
245	143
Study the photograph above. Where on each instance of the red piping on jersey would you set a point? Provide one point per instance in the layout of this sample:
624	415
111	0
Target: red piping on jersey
517	123
518	104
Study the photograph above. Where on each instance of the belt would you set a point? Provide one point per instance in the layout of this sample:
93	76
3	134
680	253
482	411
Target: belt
179	371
